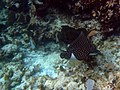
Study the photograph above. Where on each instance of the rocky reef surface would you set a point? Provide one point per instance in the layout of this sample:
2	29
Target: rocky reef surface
30	50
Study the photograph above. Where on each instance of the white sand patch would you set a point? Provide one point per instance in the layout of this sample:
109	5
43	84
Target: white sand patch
42	63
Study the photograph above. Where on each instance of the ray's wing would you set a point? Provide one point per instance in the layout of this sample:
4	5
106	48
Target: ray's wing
81	47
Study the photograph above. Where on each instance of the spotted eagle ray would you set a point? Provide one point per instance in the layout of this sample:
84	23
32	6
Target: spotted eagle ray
80	48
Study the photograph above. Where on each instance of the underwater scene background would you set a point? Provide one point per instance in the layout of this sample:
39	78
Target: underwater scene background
60	45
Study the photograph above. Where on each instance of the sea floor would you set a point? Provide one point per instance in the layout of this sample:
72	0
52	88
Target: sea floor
40	70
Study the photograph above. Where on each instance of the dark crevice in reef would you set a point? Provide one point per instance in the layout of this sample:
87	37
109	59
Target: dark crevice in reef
105	11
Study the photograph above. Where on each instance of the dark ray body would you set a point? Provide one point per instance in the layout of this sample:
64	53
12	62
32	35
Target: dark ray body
69	34
81	47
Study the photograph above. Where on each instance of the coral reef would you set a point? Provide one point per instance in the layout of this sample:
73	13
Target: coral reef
105	11
31	32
